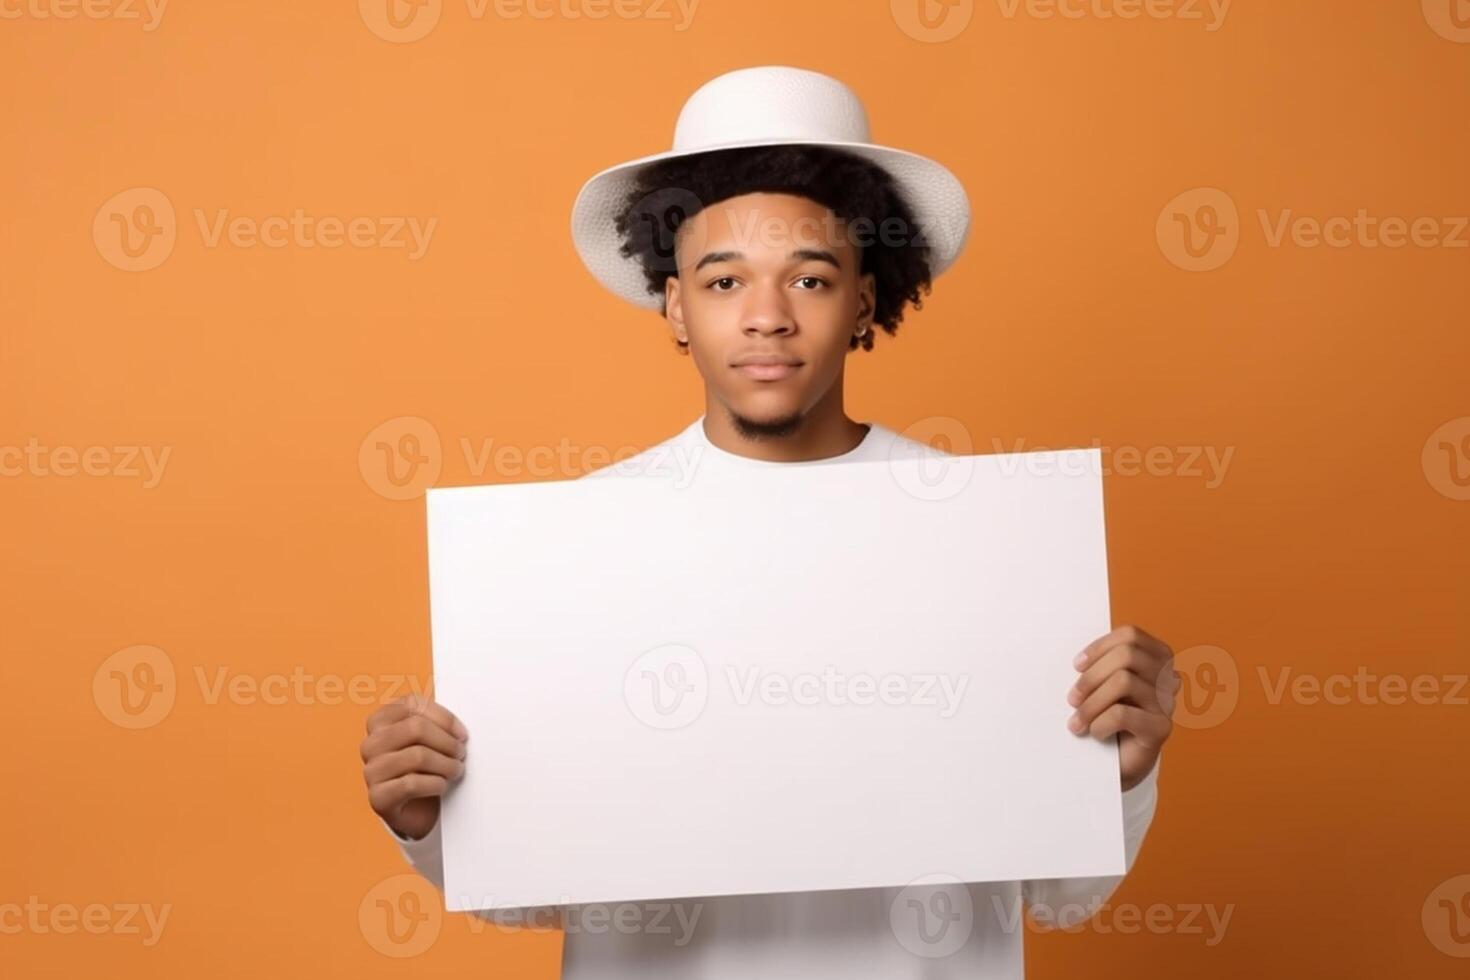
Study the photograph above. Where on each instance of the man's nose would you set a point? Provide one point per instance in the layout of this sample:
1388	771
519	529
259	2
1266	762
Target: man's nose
767	311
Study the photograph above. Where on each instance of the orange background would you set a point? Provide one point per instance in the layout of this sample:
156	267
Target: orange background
264	549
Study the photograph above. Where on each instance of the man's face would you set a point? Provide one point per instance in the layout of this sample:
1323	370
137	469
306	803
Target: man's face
768	295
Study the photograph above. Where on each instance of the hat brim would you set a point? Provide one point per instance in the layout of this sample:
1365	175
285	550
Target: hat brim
934	195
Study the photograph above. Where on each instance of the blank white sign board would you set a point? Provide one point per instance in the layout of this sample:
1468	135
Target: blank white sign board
785	679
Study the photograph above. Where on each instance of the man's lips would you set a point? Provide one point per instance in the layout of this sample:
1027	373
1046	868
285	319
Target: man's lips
767	372
766	367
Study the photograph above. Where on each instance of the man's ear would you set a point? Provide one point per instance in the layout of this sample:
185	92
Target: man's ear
674	312
867	302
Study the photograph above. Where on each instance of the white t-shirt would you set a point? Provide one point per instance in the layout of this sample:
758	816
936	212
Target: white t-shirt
926	931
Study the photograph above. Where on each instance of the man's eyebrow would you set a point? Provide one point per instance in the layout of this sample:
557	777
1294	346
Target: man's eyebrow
816	255
804	254
713	257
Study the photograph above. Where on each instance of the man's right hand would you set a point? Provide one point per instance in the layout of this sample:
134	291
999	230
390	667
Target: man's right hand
414	748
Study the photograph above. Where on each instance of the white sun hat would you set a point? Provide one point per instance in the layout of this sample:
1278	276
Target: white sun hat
768	106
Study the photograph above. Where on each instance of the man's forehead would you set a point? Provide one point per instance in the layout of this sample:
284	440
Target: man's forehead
795	228
765	207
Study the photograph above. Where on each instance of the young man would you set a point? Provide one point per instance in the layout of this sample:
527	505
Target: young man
761	239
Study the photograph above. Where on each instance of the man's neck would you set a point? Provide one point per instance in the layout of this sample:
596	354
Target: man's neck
821	435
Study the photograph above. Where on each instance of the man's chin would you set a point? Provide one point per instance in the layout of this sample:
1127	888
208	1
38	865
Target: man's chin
776	424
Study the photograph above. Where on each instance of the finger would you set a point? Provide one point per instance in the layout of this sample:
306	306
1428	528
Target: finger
413	730
1167	684
1121	635
1123	687
1148	727
412	705
415	758
1120	658
389	796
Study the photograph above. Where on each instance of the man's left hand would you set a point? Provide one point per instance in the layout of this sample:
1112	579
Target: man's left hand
1126	688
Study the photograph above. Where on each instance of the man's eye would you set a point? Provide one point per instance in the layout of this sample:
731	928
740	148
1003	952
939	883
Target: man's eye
815	279
715	283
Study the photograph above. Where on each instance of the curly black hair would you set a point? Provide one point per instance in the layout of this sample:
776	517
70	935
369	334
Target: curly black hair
669	192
